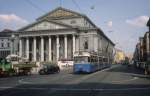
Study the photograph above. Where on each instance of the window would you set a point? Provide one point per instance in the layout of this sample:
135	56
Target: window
81	59
94	59
86	43
2	44
105	60
8	44
89	59
86	22
100	59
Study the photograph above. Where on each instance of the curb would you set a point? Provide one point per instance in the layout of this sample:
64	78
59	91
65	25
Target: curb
141	76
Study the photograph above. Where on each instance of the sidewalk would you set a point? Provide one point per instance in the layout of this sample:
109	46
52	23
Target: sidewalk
141	76
139	73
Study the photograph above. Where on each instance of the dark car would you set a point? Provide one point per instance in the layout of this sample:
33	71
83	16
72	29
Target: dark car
24	71
1	72
49	69
9	72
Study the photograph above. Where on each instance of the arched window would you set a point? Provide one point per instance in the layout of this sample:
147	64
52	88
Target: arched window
86	45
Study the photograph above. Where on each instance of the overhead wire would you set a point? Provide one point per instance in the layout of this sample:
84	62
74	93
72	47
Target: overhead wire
35	6
76	4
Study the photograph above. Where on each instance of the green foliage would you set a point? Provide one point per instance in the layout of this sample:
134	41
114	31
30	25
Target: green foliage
4	64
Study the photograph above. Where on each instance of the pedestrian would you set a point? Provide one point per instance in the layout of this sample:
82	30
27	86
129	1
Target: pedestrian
147	67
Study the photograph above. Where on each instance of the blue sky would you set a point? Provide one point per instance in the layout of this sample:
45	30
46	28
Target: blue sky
123	21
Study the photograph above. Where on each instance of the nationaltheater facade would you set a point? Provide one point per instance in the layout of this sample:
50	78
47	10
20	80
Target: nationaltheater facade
59	34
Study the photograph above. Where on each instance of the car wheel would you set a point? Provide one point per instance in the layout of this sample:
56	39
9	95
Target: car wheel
41	72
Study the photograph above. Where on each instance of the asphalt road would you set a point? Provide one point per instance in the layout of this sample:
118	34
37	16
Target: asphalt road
118	80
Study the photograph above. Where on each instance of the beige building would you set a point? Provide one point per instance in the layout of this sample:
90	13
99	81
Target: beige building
59	34
119	56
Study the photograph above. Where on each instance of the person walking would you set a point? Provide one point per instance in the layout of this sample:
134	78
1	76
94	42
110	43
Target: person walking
147	67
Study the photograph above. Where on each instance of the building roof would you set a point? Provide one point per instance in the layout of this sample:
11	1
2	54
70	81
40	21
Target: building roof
6	33
60	13
63	13
7	30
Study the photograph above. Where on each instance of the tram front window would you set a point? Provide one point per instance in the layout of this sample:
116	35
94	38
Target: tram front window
81	59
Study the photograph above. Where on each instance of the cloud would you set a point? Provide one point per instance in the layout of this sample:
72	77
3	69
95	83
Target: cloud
140	21
11	21
12	17
109	23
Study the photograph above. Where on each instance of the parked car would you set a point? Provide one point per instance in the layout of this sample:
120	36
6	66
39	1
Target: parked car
49	69
24	71
1	72
9	72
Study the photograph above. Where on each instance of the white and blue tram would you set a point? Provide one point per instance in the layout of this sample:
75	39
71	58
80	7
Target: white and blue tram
87	62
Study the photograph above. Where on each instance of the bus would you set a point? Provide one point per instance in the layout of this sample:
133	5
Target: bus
88	62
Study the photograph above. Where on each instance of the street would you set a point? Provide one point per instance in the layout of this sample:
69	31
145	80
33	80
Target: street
119	80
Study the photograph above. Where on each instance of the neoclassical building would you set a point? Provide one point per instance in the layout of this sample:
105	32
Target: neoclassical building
59	34
5	43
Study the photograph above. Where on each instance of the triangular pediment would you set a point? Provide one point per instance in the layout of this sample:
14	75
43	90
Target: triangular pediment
60	13
44	25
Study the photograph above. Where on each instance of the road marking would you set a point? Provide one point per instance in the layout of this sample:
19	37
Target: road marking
97	89
77	89
21	81
122	81
6	87
24	81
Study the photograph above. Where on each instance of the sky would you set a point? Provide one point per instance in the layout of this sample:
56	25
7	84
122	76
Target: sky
123	21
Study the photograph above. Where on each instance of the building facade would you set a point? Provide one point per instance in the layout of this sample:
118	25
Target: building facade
142	50
5	43
59	34
119	56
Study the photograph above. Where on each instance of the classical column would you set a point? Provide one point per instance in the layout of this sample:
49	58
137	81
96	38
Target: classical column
65	42
74	43
27	48
34	49
20	47
50	48
42	49
57	46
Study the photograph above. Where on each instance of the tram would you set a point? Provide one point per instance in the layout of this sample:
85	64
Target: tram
88	62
